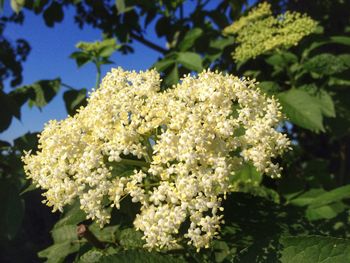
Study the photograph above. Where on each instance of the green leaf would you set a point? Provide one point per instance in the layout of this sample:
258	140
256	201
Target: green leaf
333	81
248	180
22	94
172	77
326	102
130	238
323	98
81	58
324	212
58	252
106	47
12	210
4	144
190	60
165	63
341	40
64	233
320	197
44	92
17	5
314	45
332	196
53	14
216	48
315	249
9	108
275	60
74	99
29	188
269	87
307	198
97	52
190	38
72	216
282	59
221	249
139	256
107	51
321	204
327	64
162	26
221	43
302	109
26	142
92	256
105	234
120	4
247	174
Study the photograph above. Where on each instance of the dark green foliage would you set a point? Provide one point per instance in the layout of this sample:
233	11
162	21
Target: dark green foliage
315	249
12	209
302	109
302	217
139	256
74	99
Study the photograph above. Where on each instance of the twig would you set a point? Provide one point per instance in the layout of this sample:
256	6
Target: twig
148	43
67	86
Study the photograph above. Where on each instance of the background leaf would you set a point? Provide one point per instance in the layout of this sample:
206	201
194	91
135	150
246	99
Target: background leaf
12	210
190	38
190	60
302	109
315	249
74	99
139	256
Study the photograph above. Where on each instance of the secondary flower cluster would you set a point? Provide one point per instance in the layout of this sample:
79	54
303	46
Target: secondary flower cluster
260	32
172	151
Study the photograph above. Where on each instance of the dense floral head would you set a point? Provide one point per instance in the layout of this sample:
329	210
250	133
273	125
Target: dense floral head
172	151
260	32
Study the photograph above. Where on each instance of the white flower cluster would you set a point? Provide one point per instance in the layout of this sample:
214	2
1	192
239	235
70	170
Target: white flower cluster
171	151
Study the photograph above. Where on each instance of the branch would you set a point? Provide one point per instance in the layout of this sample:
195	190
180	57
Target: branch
148	43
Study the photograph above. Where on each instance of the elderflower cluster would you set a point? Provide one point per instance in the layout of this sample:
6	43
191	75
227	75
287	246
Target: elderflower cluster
260	32
171	151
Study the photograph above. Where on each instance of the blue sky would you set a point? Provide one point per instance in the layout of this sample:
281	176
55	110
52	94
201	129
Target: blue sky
49	58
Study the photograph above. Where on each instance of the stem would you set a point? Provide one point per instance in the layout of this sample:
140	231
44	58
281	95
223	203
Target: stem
84	232
148	43
288	71
181	11
134	162
67	86
125	196
98	75
149	149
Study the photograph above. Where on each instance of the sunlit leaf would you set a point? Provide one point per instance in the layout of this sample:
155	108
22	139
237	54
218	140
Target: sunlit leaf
190	60
302	109
190	38
315	249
